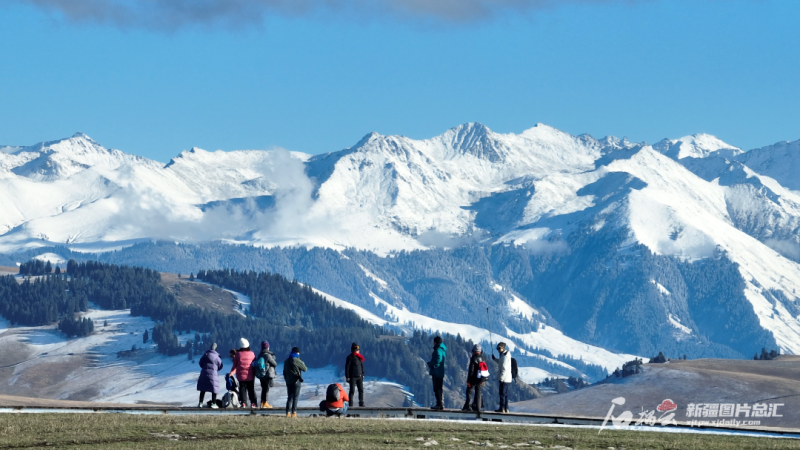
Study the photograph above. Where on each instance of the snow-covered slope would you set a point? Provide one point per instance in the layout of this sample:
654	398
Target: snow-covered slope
686	201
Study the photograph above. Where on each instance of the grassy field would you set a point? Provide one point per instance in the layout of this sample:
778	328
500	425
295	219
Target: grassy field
244	432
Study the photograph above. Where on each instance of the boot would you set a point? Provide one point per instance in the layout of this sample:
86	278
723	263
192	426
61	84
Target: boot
361	404
437	408
288	414
466	407
294	415
499	410
266	405
506	410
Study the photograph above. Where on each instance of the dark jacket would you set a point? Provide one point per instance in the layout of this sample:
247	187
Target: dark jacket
272	363
436	364
472	371
293	370
353	367
211	364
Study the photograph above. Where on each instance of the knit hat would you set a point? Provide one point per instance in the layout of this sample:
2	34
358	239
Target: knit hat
477	348
296	350
437	340
214	346
354	347
244	343
264	344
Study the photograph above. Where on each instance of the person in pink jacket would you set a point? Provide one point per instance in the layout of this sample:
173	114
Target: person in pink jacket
245	373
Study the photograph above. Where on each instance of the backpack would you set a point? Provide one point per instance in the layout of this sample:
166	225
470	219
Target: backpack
230	400
260	367
514	369
483	370
332	395
230	383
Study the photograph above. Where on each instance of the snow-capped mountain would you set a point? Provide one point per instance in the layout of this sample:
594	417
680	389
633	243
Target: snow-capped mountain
596	230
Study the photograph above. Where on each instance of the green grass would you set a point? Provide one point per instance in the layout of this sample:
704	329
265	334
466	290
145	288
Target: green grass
245	432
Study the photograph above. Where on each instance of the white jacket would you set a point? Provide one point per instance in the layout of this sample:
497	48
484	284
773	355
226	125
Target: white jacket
504	367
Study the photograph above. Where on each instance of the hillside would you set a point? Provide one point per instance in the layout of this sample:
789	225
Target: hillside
695	382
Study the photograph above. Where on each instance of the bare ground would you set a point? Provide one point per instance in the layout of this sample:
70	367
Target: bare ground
206	296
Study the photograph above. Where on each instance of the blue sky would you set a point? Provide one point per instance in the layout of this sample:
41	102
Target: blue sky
318	82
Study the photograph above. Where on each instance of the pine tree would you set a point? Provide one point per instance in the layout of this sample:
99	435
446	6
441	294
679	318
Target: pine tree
146	337
48	267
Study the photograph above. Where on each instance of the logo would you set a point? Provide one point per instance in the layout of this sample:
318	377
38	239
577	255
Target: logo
648	417
667	405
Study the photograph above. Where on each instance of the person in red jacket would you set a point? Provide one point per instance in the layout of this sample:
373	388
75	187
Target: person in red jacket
340	407
244	372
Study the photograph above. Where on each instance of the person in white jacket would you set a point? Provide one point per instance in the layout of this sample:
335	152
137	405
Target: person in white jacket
503	375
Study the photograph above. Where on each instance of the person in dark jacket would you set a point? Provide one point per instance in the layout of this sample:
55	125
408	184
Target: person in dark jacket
474	380
354	373
211	364
436	367
293	370
267	382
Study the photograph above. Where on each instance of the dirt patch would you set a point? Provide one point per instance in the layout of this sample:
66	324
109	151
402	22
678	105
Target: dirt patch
8	270
203	295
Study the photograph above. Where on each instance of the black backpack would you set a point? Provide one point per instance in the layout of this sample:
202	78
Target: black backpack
514	369
332	395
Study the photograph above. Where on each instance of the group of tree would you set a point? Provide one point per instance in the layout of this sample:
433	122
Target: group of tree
629	368
72	326
37	267
765	355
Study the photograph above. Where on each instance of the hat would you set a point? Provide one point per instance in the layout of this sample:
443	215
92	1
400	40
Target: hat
214	346
437	340
244	343
477	348
296	350
354	347
264	344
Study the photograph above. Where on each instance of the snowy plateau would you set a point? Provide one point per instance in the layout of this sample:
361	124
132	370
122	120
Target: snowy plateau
591	249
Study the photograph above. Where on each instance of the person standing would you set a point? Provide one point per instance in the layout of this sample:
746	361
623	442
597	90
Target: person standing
293	369
436	367
267	380
354	373
475	379
503	375
210	365
242	368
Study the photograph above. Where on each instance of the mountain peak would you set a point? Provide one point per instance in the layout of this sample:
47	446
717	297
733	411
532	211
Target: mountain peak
699	145
472	137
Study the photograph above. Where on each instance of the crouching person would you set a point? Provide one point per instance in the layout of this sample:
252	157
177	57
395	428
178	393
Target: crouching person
336	401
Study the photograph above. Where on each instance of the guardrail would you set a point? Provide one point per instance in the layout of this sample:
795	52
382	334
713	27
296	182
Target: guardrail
388	413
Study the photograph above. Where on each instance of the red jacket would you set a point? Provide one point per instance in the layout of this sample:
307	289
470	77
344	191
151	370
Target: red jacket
241	365
342	398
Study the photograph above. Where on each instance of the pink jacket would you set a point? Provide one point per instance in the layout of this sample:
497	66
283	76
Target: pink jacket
241	365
